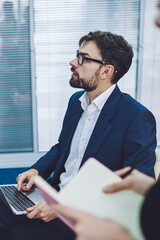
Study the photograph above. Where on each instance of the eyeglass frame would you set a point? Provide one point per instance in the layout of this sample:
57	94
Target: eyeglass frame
91	59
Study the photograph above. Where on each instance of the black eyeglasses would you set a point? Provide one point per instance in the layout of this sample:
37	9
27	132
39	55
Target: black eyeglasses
81	59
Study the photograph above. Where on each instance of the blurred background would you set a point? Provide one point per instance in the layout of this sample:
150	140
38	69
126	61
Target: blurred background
38	38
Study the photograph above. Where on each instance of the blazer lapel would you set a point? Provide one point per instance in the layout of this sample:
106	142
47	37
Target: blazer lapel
73	118
75	114
103	125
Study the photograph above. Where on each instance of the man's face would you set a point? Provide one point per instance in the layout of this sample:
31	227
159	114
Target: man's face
87	75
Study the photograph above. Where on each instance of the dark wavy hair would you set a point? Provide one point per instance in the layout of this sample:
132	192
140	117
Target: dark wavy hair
114	49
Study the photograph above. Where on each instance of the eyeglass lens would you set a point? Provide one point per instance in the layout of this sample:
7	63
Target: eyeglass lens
80	58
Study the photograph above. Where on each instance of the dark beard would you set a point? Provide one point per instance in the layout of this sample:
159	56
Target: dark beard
81	83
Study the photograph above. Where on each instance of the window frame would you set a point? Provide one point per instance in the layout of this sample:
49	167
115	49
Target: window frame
28	158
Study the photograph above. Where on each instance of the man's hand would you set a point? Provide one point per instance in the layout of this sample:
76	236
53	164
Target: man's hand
136	181
26	176
88	227
42	211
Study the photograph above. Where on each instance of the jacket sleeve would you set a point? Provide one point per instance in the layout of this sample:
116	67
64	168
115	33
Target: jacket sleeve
47	164
140	143
150	214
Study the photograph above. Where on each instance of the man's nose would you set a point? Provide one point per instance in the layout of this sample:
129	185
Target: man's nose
74	63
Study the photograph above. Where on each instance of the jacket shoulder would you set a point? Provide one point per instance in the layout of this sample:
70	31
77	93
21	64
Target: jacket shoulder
132	105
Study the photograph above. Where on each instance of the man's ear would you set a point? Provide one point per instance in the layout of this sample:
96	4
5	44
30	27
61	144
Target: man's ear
107	72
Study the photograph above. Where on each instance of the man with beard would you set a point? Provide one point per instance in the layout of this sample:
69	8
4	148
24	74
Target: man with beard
100	122
88	227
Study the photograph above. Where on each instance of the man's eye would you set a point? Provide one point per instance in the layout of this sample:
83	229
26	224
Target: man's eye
86	60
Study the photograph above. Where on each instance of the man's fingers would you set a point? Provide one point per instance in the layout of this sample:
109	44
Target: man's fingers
29	184
36	206
122	171
20	179
24	188
33	211
32	215
116	187
31	208
28	177
68	212
120	185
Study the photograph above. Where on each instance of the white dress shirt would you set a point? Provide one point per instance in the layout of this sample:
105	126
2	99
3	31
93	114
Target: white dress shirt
83	133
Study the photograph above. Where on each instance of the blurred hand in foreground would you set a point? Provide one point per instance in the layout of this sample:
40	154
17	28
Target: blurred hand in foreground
88	227
136	181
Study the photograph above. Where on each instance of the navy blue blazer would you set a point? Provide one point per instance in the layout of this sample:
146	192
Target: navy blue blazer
124	135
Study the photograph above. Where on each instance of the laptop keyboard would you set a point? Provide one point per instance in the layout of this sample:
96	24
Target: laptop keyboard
16	198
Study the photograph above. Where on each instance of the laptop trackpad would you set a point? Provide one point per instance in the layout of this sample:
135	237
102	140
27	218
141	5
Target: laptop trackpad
34	195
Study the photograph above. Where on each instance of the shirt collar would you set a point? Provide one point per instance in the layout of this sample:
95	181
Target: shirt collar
84	99
98	101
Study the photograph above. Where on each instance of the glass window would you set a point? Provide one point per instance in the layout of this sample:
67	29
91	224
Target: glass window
15	78
59	25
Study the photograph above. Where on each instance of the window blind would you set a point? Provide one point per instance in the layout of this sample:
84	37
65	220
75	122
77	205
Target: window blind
59	24
15	78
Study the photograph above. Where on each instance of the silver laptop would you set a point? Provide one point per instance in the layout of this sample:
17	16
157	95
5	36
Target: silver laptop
19	201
